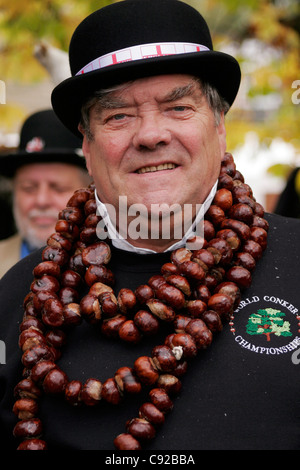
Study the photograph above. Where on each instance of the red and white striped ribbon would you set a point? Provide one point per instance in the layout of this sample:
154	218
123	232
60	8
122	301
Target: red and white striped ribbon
143	51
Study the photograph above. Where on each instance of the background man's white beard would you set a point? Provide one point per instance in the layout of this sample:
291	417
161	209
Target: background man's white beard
30	234
33	240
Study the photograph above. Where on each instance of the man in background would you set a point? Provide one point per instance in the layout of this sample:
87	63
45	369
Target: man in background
45	171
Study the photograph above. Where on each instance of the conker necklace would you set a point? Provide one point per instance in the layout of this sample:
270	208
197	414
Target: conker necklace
194	294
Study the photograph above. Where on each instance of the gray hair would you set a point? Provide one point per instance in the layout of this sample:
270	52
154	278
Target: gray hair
215	101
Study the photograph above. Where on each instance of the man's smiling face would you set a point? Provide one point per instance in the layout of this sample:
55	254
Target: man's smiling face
155	141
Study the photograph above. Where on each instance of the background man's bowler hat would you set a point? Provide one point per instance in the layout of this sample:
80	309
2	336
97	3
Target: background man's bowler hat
131	39
43	138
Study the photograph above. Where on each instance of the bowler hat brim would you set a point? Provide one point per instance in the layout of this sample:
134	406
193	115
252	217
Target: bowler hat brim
9	163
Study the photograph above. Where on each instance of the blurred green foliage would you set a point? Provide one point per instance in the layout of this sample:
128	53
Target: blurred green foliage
23	24
273	25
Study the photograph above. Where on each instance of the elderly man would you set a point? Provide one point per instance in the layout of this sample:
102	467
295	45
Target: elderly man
45	171
132	339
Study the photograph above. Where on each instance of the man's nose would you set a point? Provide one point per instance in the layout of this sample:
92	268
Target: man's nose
43	196
150	132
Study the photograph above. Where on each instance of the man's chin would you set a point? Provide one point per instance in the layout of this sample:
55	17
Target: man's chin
38	239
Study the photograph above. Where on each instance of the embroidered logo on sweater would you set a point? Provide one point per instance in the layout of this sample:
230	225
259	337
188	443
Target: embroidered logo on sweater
268	321
267	325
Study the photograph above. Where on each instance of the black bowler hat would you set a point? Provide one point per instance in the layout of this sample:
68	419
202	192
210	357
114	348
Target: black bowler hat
43	139
138	38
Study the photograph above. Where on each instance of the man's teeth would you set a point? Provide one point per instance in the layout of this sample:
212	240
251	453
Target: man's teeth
165	166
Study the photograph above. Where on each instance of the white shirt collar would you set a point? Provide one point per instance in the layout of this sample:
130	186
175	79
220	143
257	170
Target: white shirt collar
120	242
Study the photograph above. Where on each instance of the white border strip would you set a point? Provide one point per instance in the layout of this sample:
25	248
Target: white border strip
143	51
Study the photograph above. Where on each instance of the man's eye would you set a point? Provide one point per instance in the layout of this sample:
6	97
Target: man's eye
118	117
61	189
179	108
28	189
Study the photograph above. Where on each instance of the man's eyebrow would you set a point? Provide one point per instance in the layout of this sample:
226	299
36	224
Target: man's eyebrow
108	101
180	92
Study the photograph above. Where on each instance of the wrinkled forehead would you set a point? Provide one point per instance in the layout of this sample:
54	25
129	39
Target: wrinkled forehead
44	170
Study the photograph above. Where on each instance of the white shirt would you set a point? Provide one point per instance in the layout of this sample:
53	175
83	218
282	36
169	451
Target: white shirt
120	242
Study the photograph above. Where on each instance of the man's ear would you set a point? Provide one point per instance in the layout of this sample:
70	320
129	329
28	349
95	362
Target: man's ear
222	134
86	149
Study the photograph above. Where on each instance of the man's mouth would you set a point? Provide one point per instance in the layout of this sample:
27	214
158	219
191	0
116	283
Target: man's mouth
151	169
44	221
